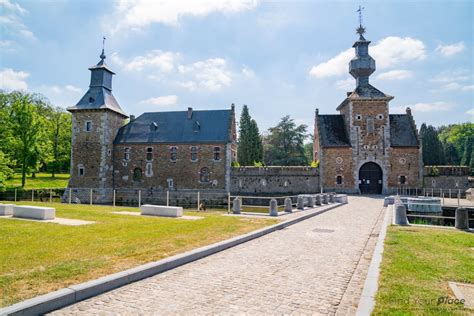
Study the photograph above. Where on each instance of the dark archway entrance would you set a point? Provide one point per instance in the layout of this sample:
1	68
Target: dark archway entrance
370	178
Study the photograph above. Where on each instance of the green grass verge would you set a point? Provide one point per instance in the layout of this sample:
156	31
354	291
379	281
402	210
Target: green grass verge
36	258
42	181
417	264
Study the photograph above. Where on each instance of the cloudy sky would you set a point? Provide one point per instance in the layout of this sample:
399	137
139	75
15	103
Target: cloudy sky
278	57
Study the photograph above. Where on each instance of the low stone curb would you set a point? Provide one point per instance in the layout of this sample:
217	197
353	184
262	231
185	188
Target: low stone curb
367	299
75	293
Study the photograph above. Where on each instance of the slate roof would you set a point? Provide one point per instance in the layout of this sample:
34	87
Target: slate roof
102	99
210	126
364	92
332	131
402	132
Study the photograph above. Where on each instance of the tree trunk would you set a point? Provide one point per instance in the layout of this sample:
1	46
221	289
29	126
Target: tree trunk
33	175
23	175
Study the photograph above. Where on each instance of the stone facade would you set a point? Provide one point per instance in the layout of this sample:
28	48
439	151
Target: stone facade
266	181
334	163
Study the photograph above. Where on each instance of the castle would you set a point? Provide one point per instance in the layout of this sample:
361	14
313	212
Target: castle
364	149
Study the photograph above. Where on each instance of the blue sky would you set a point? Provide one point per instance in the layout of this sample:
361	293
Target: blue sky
278	57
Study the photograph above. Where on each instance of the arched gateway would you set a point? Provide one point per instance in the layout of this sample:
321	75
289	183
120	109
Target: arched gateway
370	178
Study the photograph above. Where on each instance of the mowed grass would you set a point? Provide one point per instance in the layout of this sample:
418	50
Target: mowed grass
36	258
42	181
416	267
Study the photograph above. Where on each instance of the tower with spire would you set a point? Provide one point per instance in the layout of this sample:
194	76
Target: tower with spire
96	119
364	149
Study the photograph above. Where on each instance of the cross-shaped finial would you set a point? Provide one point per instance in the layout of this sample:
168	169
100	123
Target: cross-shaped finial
102	56
360	15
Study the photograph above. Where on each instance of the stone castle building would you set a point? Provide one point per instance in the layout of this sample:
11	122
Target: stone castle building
365	148
158	150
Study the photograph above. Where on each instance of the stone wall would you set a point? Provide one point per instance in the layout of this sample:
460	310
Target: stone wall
405	162
274	180
447	182
337	162
155	171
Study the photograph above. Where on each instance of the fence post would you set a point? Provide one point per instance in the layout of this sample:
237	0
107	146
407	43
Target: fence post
91	197
228	202
114	197
443	195
450	193
32	195
167	197
459	195
15	195
50	195
70	195
139	198
198	201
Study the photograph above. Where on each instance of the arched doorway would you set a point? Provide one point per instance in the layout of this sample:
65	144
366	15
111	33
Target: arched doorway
370	178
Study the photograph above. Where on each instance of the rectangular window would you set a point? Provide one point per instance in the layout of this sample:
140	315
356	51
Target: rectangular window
170	183
370	125
403	179
194	153
339	180
88	126
80	170
149	154
173	153
126	154
217	153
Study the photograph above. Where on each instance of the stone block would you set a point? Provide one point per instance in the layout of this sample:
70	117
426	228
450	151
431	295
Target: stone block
6	209
273	207
311	201
34	212
160	210
331	197
288	205
324	198
318	199
341	198
400	216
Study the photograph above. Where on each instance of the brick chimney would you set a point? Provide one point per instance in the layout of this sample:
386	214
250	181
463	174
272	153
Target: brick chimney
190	113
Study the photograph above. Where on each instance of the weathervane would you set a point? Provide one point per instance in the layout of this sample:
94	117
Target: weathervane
360	30
102	56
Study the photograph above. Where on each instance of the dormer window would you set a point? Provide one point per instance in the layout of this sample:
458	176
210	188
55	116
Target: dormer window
88	126
217	153
196	127
91	100
153	127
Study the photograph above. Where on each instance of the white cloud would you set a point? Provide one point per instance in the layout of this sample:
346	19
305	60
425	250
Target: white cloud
389	52
346	84
451	49
63	96
439	106
457	86
211	74
138	14
395	75
454	80
7	46
156	59
470	112
11	21
247	72
166	100
13	80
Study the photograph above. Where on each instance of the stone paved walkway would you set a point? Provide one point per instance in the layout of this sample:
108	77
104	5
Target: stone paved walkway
317	266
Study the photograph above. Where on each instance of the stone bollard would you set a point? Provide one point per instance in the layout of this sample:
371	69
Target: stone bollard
236	206
311	201
324	199
318	200
400	215
300	203
273	207
331	197
385	202
288	205
461	219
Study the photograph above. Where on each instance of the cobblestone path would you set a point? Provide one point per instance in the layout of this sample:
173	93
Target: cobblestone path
317	266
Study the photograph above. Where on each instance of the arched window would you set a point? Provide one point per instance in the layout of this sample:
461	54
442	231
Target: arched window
149	154
137	175
173	153
126	153
217	153
204	175
194	155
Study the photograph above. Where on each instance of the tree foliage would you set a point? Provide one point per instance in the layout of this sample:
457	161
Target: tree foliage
250	140
284	145
432	148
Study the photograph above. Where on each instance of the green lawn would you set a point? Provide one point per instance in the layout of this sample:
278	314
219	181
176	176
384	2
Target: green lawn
42	181
417	264
36	258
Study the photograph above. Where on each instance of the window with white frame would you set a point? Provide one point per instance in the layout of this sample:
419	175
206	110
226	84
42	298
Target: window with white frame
88	127
204	175
194	153
149	153
217	153
80	170
170	182
173	153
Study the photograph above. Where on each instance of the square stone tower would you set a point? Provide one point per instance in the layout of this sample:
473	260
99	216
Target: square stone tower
96	119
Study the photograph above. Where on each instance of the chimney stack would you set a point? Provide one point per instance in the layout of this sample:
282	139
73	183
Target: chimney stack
132	118
190	113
